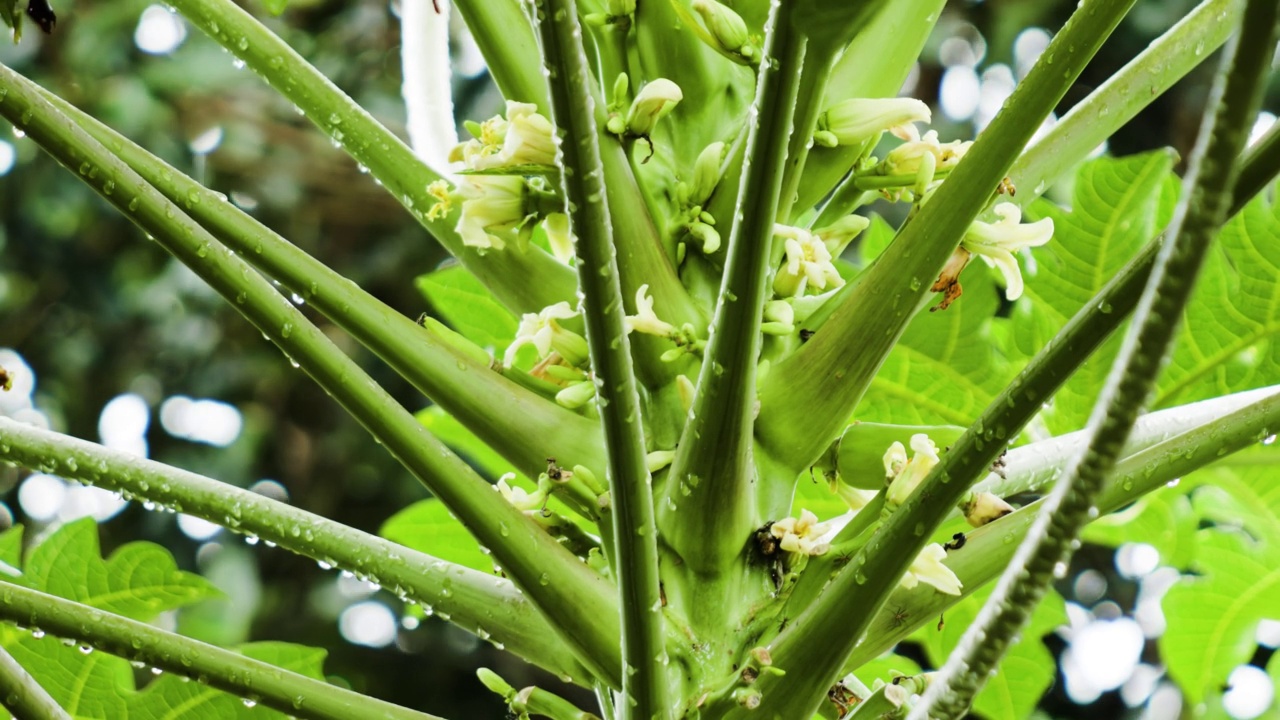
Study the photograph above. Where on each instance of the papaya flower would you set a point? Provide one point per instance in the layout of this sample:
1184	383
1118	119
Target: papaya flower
807	265
927	568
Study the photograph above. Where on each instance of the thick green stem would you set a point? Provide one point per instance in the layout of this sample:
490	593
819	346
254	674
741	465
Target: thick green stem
507	274
505	39
807	398
22	696
710	509
580	603
635	547
1258	168
1208	186
475	601
1091	121
288	692
522	426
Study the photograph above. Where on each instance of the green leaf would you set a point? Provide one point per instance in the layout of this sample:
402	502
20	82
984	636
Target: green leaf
428	527
170	698
140	580
814	494
886	667
946	368
1227	342
1212	618
11	546
1118	205
1026	670
469	307
275	7
1163	519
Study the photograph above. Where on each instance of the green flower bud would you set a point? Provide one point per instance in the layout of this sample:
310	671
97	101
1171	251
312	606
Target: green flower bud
851	122
652	103
706	172
728	29
840	233
705	234
577	395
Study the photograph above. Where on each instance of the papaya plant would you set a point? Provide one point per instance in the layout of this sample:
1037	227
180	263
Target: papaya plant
743	447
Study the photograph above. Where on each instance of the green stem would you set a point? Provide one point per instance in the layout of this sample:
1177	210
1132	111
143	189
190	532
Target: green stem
522	426
1091	121
537	701
635	549
288	692
473	600
988	550
1207	195
807	398
580	603
1258	168
371	144
501	31
710	507
22	696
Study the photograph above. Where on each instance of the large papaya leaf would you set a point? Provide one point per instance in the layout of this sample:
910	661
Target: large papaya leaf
1228	339
139	580
1164	519
1213	616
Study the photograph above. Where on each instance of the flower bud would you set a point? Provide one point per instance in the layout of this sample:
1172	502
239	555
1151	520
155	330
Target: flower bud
728	31
840	233
491	204
779	318
654	101
577	395
705	234
854	121
706	172
556	225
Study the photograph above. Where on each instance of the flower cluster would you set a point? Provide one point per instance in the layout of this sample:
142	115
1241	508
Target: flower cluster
903	475
809	255
802	535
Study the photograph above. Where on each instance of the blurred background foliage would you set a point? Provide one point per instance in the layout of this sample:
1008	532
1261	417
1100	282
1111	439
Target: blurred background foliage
128	348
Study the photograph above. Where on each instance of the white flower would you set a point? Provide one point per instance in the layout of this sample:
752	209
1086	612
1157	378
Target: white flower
543	332
927	568
911	472
491	204
523	137
983	508
654	100
645	320
807	265
517	496
997	242
905	159
803	535
851	122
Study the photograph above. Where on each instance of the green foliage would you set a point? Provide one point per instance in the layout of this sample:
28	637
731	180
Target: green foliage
1212	615
469	307
428	526
140	581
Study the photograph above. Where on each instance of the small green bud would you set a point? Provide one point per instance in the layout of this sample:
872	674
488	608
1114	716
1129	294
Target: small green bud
659	459
706	172
705	234
491	680
728	31
577	395
620	8
652	103
779	318
840	233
